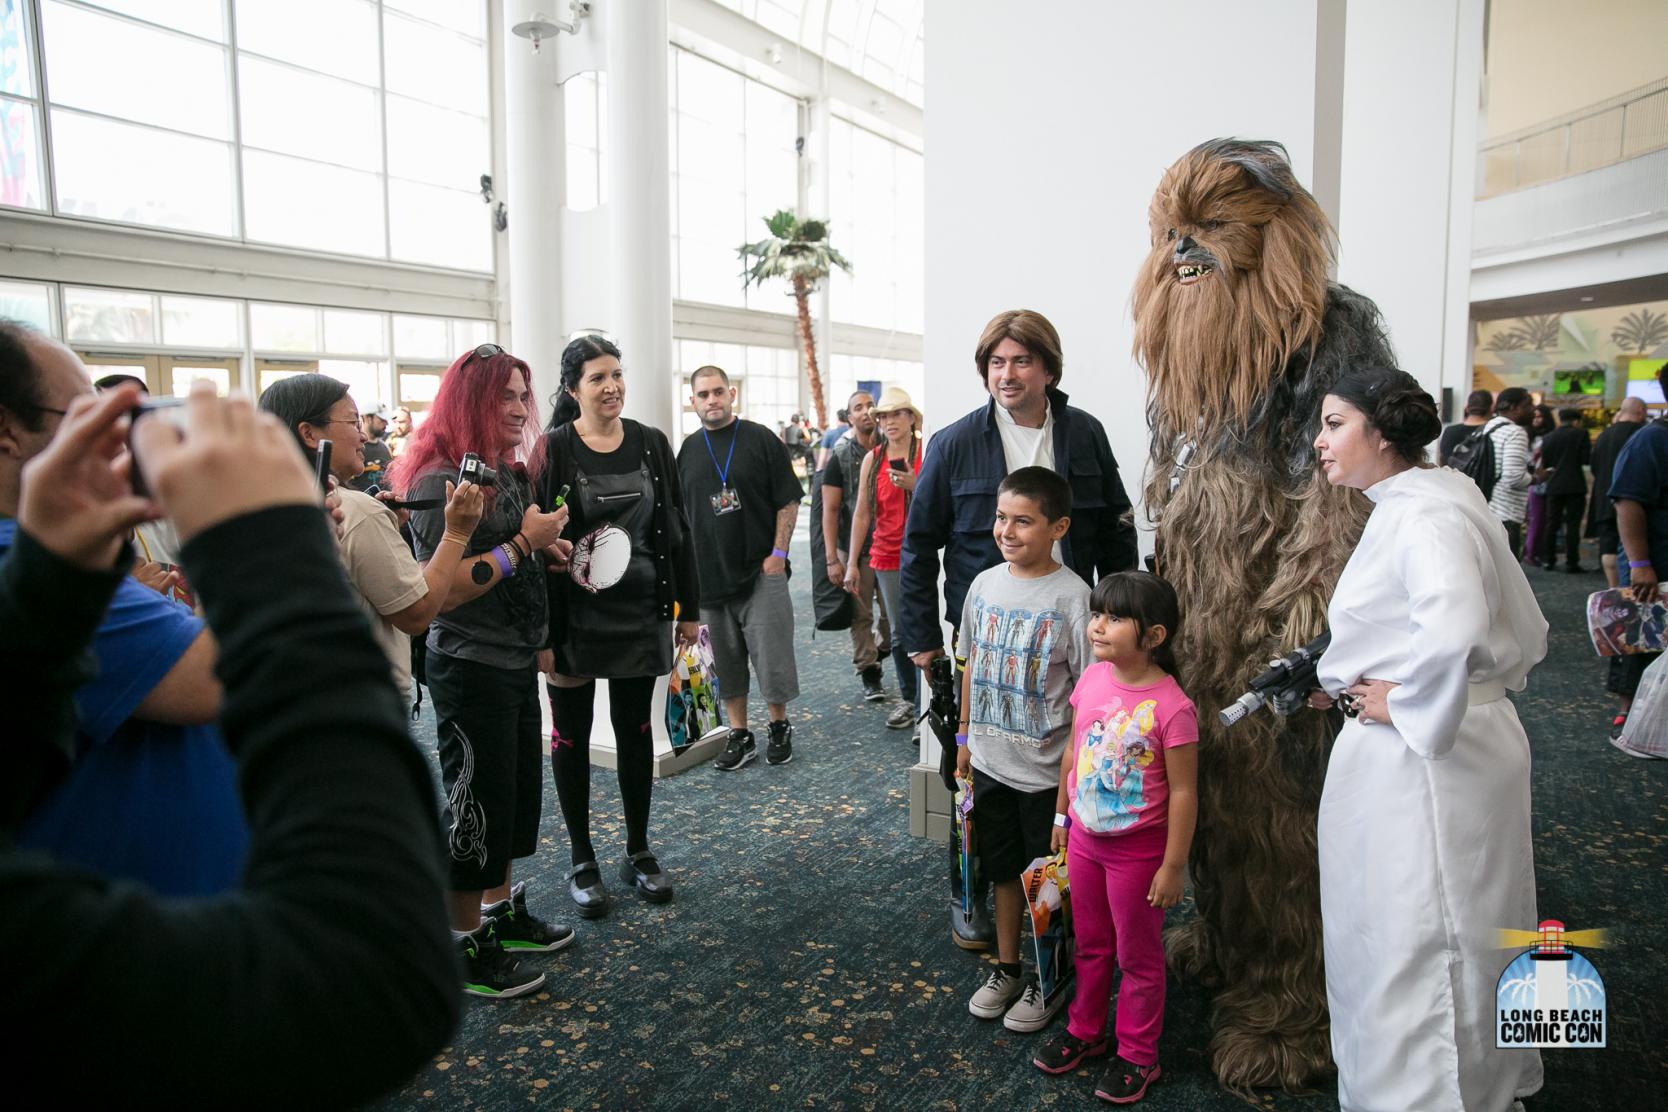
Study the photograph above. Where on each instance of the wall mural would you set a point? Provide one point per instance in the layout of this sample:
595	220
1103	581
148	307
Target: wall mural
1589	359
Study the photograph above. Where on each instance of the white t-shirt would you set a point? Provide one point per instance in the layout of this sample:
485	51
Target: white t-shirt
1027	447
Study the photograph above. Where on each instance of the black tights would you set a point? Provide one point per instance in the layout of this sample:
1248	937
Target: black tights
572	708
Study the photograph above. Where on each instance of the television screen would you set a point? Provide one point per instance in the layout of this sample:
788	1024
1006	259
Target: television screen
1584	381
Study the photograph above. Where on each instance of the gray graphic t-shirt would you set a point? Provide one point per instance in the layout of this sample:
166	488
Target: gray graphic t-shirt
1026	642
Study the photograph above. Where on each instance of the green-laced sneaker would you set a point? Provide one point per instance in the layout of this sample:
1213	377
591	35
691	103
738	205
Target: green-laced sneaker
489	971
519	929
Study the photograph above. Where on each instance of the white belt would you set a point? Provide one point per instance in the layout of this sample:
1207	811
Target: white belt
1476	694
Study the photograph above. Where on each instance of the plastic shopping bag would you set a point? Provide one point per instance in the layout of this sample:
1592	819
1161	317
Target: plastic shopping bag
1646	732
694	708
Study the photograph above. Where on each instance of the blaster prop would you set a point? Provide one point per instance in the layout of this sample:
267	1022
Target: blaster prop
943	716
1284	685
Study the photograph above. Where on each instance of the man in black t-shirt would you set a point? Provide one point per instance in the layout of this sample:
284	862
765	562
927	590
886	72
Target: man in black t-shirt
1478	407
742	497
377	453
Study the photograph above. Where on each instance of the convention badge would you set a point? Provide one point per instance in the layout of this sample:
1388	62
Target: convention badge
600	558
726	501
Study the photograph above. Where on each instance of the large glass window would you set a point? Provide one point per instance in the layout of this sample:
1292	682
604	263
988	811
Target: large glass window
876	192
29	302
766	380
351	126
733	164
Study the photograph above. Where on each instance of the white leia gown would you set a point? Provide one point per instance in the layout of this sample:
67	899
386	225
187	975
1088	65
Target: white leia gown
1424	828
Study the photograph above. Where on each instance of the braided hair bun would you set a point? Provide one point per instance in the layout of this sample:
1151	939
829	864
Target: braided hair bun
1396	405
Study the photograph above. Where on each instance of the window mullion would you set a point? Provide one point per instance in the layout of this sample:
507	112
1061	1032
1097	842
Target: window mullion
48	166
237	119
382	105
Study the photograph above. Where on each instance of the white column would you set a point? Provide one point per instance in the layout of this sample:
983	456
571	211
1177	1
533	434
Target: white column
1408	178
639	221
534	190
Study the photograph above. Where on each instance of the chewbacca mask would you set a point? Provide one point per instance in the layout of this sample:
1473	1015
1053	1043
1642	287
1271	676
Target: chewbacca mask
1241	335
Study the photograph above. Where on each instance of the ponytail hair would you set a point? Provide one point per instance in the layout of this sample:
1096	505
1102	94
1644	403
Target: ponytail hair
564	407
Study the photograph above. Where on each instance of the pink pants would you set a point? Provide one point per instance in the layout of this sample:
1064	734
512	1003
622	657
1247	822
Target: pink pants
1110	876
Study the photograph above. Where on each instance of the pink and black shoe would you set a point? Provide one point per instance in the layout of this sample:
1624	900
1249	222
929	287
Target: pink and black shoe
1124	1082
1066	1053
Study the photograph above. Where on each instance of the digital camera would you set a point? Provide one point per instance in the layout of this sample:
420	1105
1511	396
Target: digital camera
473	469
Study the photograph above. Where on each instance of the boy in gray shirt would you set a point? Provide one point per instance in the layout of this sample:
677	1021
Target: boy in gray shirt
1024	631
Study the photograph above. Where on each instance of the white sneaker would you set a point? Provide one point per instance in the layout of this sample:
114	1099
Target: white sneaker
994	996
1029	1013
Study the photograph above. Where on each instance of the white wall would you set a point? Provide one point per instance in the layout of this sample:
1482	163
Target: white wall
1048	127
1047	131
1412	77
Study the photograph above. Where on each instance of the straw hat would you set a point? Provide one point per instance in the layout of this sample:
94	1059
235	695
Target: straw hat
895	398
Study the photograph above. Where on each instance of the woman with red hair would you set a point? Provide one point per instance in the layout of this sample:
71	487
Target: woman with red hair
484	652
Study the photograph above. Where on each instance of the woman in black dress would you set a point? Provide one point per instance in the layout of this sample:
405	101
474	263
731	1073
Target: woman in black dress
631	573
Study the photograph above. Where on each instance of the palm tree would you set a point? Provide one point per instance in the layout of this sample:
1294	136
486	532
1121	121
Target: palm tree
1640	332
797	250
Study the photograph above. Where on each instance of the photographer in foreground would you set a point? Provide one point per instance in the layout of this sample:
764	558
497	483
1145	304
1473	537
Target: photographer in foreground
217	1001
483	654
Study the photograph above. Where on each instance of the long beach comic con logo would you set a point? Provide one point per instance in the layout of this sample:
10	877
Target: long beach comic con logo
1550	995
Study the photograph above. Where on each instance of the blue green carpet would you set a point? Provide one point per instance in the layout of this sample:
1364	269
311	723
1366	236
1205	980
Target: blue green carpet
806	961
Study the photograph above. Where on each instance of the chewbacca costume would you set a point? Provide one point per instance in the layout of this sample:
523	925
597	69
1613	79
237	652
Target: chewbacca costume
1241	335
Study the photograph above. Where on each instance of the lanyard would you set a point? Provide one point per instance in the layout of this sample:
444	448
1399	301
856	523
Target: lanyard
723	472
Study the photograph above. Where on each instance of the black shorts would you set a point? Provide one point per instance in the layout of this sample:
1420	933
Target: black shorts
1011	828
1609	538
492	765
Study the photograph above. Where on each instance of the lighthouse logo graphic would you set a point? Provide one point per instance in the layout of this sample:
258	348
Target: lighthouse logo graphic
1550	995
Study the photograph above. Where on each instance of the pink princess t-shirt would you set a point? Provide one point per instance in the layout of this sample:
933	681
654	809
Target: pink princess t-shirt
1117	782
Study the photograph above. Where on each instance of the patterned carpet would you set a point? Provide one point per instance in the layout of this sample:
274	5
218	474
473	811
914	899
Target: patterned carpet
806	961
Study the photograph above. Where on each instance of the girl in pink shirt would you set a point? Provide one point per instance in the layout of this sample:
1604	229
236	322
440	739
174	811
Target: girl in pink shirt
1125	812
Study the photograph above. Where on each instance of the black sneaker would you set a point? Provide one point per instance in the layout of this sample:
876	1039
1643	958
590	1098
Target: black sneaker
488	970
516	928
1066	1052
1124	1082
738	750
779	750
872	691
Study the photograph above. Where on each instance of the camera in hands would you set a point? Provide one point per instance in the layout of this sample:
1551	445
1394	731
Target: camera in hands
473	469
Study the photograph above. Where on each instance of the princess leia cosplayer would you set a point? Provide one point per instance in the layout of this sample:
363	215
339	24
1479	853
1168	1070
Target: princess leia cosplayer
1424	828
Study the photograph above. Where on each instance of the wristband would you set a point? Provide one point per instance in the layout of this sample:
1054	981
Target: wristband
460	538
779	554
503	562
961	741
522	537
511	553
1638	563
1063	821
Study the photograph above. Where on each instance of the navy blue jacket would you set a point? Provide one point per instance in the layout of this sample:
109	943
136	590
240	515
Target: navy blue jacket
954	509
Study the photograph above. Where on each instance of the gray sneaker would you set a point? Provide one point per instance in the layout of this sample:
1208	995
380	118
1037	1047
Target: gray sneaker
902	717
1029	1013
994	996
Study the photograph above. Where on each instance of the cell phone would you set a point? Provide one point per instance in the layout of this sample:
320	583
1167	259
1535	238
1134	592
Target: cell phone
171	408
896	464
322	468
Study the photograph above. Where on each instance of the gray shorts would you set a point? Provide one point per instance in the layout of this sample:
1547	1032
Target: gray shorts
756	627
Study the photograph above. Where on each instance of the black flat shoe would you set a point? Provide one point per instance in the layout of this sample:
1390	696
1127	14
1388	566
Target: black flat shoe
654	885
591	900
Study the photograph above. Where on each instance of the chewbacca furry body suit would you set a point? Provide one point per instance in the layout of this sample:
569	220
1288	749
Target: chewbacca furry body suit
1241	335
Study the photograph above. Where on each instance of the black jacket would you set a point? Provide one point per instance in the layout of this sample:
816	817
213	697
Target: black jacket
330	976
955	507
1565	452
